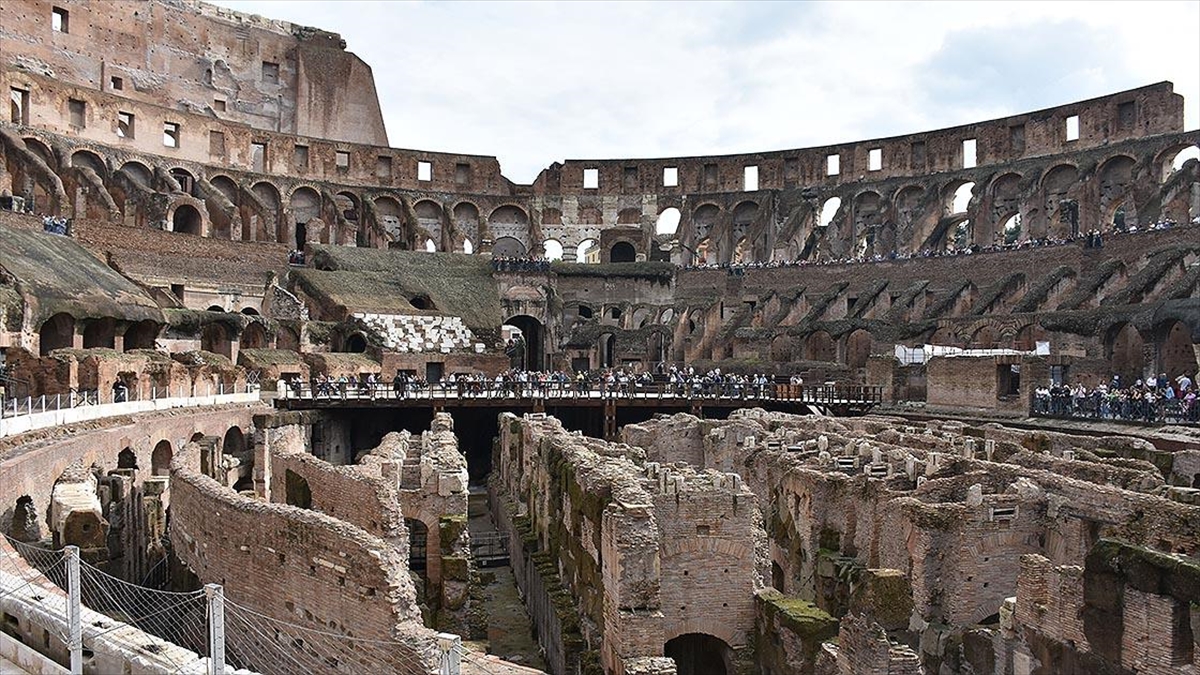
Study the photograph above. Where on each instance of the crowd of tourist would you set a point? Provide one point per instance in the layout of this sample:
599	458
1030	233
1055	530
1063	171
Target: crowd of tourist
296	257
1092	239
1155	399
609	382
512	264
56	225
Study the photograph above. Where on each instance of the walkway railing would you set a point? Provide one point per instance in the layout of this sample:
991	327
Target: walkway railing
1108	409
19	415
191	632
824	394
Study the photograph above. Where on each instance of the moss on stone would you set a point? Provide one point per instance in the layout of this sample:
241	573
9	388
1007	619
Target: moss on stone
802	617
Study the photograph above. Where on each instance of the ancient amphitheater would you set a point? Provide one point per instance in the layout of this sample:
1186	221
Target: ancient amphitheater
271	399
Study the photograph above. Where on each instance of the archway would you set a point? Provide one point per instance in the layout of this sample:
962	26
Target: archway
1124	347
608	344
287	338
828	210
127	459
1176	355
700	654
552	249
356	343
254	336
418	546
668	222
99	333
187	182
529	354
140	335
820	347
234	442
508	247
215	338
160	459
57	332
622	252
186	220
858	348
588	251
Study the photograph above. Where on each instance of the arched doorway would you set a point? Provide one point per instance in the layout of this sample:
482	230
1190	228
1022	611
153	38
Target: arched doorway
356	343
100	333
1176	355
1125	353
508	247
254	336
160	459
214	338
57	332
186	220
820	347
529	352
622	252
858	348
700	654
141	335
608	344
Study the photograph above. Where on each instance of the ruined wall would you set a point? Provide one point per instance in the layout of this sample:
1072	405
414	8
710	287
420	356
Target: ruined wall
361	582
646	552
242	68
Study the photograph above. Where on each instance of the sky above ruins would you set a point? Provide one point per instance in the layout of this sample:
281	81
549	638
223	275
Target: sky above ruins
533	83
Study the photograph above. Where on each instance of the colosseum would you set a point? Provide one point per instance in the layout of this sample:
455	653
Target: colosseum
276	397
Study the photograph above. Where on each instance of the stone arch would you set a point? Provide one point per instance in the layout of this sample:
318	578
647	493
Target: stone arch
253	336
668	222
699	653
704	219
37	147
429	220
858	348
100	333
552	249
160	459
287	338
141	335
510	221
466	221
90	160
607	346
215	338
388	215
781	349
819	346
1174	349
509	247
868	217
233	443
127	459
945	336
622	252
1124	349
1174	158
139	173
263	229
1056	186
187	181
57	332
187	219
587	251
226	186
957	196
305	206
1116	178
533	334
743	218
1028	336
1005	193
984	337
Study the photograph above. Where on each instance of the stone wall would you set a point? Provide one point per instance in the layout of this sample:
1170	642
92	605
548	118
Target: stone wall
645	552
339	579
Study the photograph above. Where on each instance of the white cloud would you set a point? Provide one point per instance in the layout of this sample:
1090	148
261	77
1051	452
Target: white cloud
533	83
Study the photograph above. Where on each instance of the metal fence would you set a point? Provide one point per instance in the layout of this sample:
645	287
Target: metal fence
1104	408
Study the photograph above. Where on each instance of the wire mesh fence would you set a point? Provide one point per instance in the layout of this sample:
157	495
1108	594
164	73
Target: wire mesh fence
183	622
267	645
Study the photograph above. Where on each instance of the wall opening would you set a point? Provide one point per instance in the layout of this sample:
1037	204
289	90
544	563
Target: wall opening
552	249
160	459
828	210
668	222
750	179
186	220
969	157
700	654
588	251
622	252
425	171
608	345
833	165
60	20
591	179
298	493
526	351
875	159
671	176
58	332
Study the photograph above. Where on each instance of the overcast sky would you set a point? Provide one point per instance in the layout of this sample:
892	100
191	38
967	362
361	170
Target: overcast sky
534	83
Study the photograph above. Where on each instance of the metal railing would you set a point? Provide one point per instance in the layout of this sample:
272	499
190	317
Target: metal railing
826	394
1103	408
76	398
